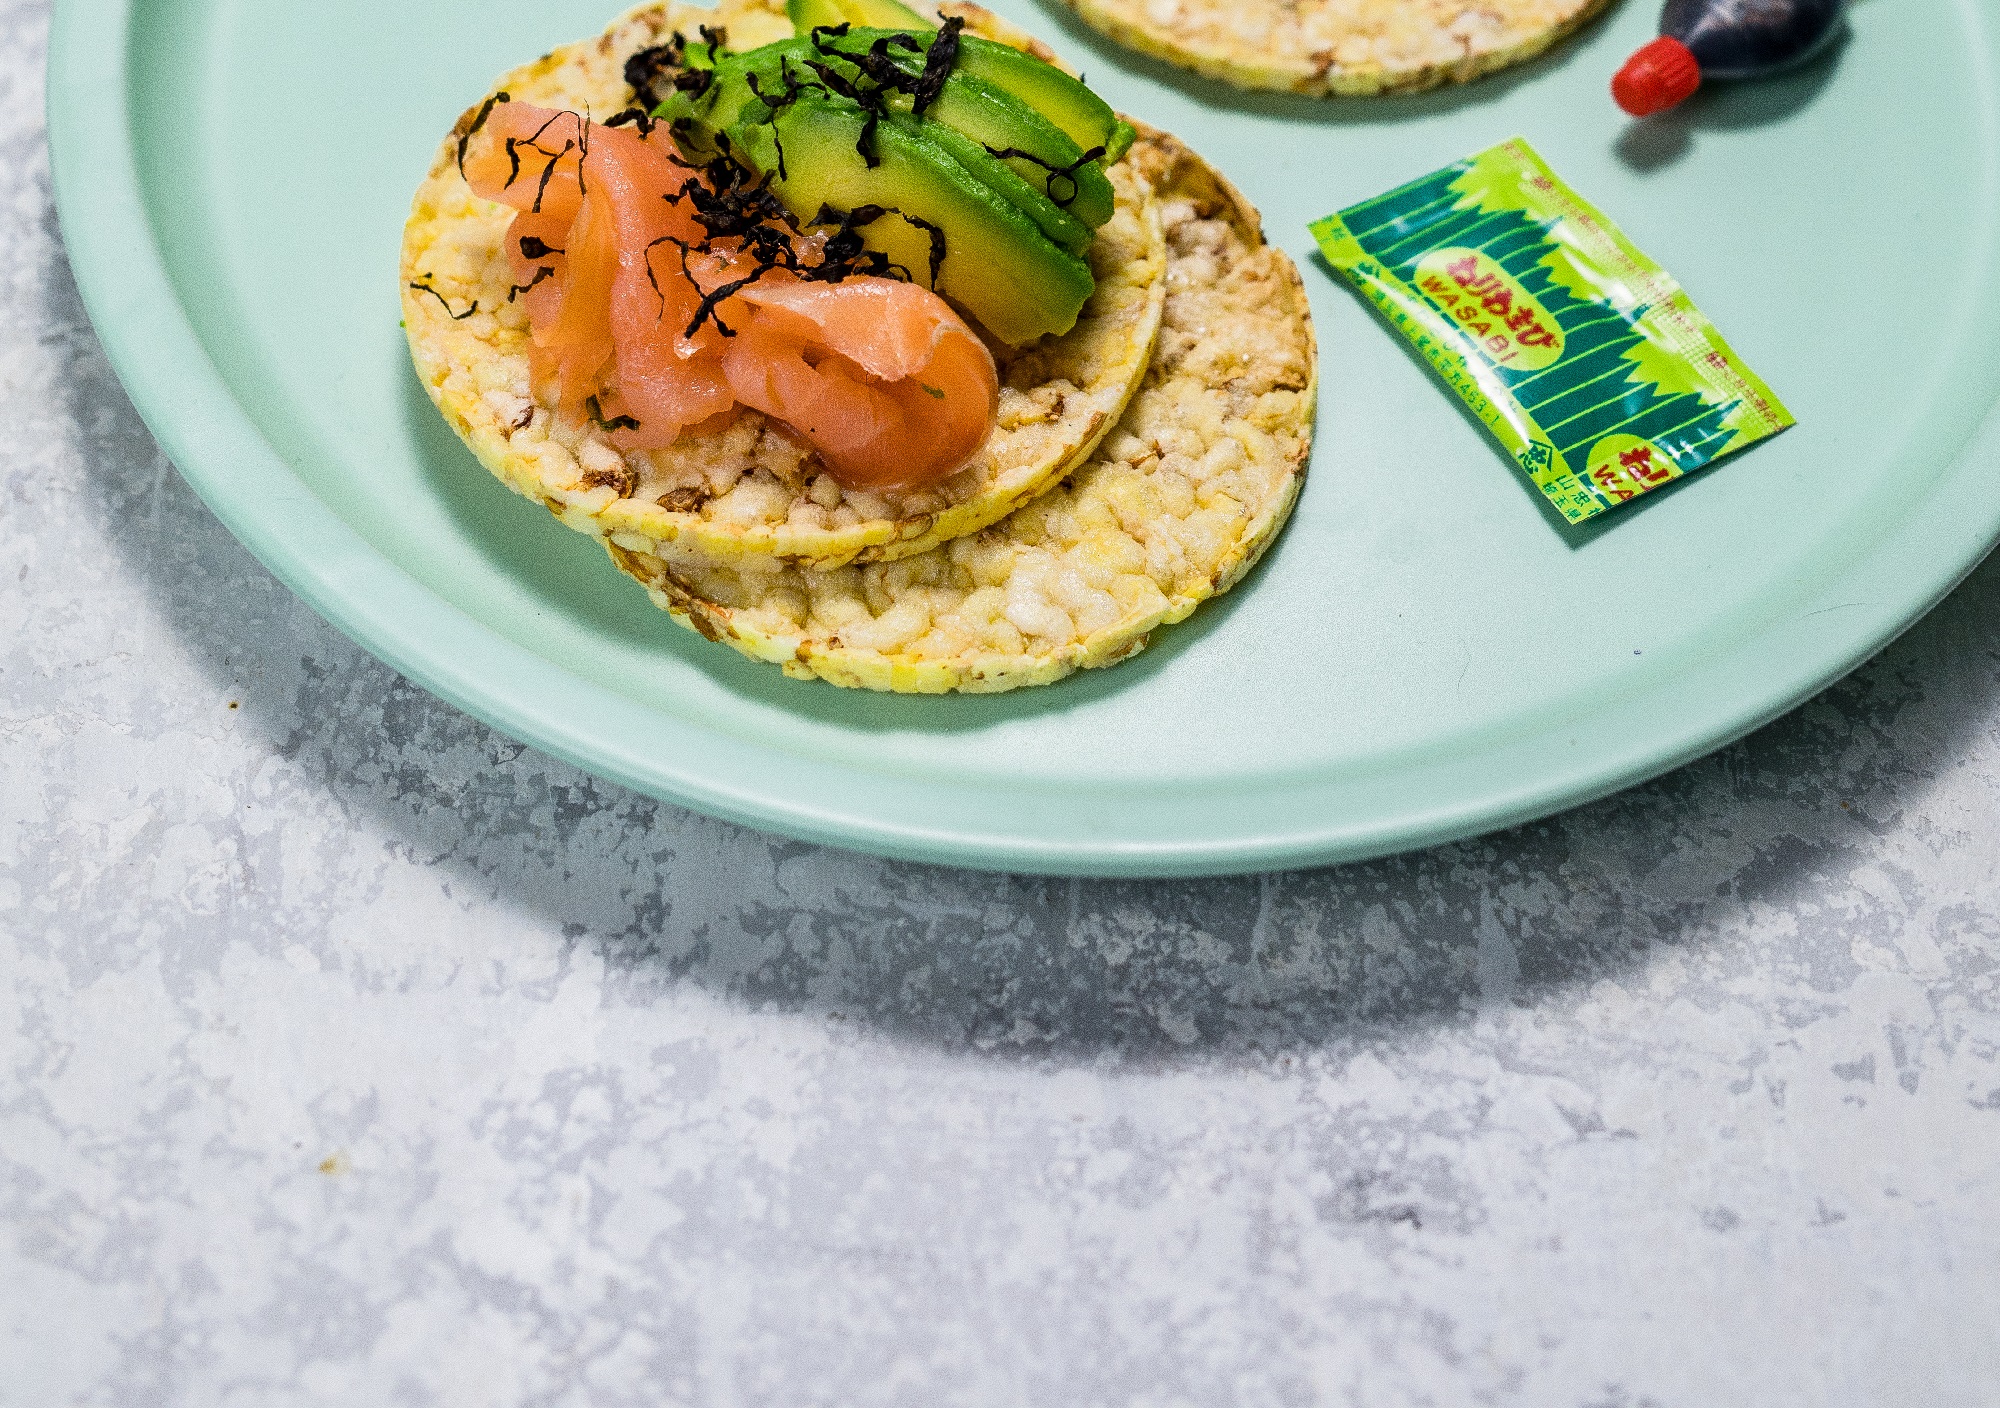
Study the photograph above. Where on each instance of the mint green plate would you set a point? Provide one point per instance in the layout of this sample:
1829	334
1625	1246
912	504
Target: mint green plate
1426	654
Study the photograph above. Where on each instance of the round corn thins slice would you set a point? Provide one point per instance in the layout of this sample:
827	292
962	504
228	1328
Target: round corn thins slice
1349	48
1174	507
751	489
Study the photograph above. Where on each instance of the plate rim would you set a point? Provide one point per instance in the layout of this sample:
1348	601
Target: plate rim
193	412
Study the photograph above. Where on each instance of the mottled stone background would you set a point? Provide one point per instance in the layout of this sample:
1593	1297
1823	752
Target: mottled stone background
352	1055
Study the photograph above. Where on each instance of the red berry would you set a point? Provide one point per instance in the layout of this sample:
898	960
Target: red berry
1661	74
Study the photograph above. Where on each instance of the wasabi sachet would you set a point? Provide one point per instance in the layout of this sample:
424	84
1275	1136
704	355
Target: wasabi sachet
1582	356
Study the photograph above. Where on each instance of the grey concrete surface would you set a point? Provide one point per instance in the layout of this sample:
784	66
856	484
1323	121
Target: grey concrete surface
352	1055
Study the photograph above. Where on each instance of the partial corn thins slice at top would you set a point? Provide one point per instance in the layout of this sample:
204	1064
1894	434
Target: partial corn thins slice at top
750	491
1173	508
1352	48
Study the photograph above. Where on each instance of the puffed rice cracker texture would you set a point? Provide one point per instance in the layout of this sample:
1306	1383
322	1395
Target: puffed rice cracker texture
1173	508
1351	48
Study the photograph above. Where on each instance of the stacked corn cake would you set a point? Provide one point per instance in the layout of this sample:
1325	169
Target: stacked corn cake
1140	464
1348	48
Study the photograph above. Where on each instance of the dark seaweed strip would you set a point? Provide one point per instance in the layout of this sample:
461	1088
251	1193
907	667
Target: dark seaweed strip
771	246
869	100
785	97
548	175
595	409
1064	173
845	244
485	111
869	263
884	71
880	76
777	103
717	38
1068	173
937	242
633	117
533	249
728	206
514	145
793	87
844	250
838	83
710	301
726	213
874	61
707	309
865	143
543	131
844	254
653	275
682	130
425	286
546	271
704	309
645	69
938	64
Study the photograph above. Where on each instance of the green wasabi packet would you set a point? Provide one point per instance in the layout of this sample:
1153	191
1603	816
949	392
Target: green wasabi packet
1582	356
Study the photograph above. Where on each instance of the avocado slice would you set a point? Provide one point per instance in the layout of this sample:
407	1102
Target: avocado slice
807	15
997	264
1086	118
1025	196
998	121
991	117
969	119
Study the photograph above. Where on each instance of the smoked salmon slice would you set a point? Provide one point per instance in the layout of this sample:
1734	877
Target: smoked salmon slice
883	378
601	212
619	272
